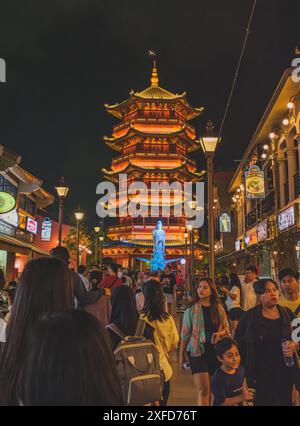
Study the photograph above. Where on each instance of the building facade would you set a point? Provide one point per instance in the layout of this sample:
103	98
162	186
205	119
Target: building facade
267	224
155	142
21	194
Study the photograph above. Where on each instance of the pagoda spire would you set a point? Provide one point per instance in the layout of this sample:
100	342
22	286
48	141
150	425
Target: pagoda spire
154	77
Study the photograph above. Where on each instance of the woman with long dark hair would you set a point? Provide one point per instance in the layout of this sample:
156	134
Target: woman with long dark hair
233	300
45	287
69	361
204	324
124	314
165	334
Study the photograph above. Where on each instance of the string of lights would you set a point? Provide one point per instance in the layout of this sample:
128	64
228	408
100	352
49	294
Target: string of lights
237	68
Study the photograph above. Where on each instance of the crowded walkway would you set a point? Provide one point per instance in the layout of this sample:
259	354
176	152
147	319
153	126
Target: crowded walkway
147	338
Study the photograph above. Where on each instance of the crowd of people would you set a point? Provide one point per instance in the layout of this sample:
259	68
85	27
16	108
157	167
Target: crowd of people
62	330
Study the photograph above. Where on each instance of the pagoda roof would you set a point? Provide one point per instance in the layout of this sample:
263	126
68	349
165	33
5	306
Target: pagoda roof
132	167
152	93
116	143
157	92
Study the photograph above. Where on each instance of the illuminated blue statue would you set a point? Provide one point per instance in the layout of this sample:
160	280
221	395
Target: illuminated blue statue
158	260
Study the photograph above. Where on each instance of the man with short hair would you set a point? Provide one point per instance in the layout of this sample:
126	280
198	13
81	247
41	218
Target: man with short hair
249	298
82	296
289	283
82	273
168	282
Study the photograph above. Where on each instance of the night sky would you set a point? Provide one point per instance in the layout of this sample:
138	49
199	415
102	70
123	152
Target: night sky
67	58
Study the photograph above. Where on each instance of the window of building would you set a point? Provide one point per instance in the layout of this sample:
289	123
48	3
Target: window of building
22	202
30	207
2	183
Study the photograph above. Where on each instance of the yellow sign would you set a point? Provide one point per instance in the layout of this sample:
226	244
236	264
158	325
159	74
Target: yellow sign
7	202
255	183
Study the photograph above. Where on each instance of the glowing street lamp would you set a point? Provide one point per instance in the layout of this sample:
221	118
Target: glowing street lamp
78	216
97	231
209	142
62	191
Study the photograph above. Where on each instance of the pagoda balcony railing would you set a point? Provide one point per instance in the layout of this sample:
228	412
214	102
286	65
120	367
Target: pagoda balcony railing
121	126
146	221
125	125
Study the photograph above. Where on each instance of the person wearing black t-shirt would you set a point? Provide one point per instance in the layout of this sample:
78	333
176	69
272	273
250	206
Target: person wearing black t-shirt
168	282
259	334
229	386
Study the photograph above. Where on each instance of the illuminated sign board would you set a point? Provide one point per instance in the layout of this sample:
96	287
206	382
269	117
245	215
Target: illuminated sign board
22	221
225	223
262	231
31	225
7	202
237	245
46	229
254	183
286	219
251	237
11	217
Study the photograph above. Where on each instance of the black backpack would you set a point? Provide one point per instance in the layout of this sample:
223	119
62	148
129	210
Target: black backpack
138	366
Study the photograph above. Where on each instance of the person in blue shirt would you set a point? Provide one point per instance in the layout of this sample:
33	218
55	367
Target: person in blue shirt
229	385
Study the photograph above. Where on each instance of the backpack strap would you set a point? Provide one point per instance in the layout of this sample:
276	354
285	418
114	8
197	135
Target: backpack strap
297	311
140	328
113	282
116	330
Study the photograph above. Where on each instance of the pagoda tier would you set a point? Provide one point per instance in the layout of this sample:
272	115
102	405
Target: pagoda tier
153	139
154	102
181	139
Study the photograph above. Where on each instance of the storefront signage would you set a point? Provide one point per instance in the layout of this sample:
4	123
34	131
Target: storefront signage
251	237
7	229
237	245
7	202
46	229
262	231
225	223
31	225
254	183
11	217
22	221
286	219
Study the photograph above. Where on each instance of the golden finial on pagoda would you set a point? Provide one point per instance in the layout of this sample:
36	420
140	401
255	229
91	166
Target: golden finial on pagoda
154	77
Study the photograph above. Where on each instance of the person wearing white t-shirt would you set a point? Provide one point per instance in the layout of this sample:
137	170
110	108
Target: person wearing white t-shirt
249	297
3	325
233	301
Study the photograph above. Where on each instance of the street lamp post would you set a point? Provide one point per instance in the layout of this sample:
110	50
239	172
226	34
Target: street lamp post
209	142
186	235
97	231
62	191
79	217
101	238
191	262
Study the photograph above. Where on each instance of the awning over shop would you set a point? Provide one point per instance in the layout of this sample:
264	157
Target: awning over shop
7	242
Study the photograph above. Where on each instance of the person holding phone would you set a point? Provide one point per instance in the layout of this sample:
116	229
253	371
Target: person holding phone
204	324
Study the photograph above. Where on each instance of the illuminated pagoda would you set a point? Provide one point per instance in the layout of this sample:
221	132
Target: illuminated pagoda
154	141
